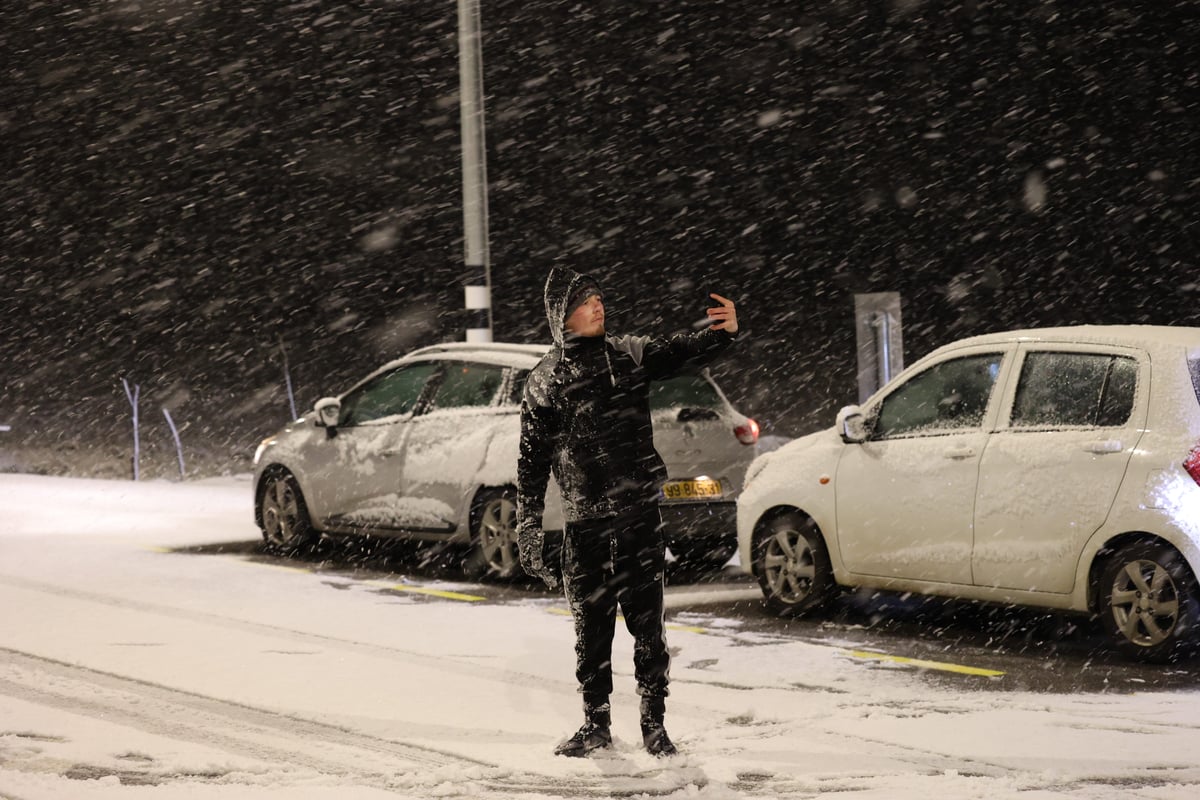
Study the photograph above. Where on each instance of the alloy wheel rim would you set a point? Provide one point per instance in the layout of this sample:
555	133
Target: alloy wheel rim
280	512
1145	603
498	535
789	566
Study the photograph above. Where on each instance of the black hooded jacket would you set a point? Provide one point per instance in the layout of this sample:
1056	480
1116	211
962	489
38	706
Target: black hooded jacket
586	413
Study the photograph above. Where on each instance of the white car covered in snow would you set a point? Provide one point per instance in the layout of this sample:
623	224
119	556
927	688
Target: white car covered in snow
1056	468
426	448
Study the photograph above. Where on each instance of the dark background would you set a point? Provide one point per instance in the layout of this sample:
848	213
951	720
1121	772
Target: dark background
186	184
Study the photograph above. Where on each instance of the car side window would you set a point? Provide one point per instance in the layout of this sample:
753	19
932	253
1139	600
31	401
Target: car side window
952	395
390	394
467	385
1074	389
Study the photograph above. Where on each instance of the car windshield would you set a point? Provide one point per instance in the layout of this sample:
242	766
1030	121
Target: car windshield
686	391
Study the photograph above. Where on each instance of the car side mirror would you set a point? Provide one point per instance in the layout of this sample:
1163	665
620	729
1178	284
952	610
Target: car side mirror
852	425
327	409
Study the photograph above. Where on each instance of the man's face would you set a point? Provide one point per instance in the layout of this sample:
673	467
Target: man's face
588	319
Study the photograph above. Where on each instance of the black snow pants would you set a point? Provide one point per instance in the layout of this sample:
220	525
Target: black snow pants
609	562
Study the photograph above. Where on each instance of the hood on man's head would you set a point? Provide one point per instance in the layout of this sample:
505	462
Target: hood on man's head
565	291
580	296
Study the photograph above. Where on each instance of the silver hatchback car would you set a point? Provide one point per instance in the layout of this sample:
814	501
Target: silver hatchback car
425	448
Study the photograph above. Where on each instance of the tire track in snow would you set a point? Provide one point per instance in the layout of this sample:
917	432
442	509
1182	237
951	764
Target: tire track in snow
282	740
277	737
269	736
442	663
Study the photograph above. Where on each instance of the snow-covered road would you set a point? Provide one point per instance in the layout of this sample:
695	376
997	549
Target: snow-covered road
130	669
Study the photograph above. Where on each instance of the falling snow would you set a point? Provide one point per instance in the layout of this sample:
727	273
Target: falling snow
192	191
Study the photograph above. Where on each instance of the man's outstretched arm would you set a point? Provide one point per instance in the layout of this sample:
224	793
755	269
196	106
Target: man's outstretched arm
663	357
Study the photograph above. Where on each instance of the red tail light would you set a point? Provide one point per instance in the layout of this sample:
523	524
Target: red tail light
1192	465
748	434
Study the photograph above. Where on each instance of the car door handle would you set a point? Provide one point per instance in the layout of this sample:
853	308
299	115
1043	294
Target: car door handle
960	452
1104	446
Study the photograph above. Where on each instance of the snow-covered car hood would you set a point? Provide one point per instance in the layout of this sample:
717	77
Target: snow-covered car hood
792	449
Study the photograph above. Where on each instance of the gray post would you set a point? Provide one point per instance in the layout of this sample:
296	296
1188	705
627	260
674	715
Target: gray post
175	434
133	401
287	378
478	280
880	343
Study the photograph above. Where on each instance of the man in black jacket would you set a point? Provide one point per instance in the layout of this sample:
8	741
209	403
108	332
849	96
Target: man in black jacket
586	419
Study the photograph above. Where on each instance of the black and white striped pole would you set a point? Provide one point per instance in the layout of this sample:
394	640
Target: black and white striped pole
478	280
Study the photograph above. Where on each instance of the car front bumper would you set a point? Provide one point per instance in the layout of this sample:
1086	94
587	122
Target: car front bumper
714	523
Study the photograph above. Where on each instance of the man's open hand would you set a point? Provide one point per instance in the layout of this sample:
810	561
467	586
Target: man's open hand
724	316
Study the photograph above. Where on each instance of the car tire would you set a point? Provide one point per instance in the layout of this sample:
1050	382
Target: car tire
494	553
1149	601
792	565
283	514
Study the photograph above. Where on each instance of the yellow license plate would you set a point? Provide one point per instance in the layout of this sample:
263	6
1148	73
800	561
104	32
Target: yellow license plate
691	490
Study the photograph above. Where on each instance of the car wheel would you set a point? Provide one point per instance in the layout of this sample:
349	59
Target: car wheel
1149	601
494	536
793	567
283	514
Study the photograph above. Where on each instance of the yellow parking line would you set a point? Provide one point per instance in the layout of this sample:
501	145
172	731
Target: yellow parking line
922	664
444	594
395	587
282	567
471	598
562	612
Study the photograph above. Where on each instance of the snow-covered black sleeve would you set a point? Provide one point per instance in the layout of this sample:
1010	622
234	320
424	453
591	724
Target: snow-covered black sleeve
662	357
539	442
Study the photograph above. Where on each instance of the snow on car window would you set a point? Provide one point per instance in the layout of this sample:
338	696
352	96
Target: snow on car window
1075	389
468	385
951	395
390	394
688	391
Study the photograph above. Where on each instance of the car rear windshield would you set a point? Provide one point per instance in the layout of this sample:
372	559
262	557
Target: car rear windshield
1194	368
687	391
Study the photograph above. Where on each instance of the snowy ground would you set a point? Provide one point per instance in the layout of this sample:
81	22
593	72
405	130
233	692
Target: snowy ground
130	670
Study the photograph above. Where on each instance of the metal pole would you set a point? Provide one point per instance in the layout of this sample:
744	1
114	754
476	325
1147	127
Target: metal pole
884	322
287	378
178	444
137	445
478	280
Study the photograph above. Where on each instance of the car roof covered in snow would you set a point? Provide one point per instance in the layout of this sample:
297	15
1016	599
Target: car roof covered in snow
504	353
1145	336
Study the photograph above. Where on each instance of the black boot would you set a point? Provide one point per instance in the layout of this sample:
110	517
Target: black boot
593	735
654	735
